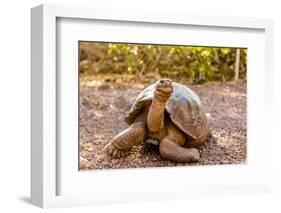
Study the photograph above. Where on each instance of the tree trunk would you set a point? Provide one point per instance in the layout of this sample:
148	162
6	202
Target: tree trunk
237	63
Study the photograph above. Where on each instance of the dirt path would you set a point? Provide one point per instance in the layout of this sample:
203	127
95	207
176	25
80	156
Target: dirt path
103	106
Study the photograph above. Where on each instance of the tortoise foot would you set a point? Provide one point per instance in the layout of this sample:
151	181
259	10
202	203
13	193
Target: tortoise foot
114	152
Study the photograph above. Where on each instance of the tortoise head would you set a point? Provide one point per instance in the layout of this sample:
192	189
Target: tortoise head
164	87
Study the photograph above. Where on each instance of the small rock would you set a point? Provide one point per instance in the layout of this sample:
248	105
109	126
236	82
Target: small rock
115	161
84	163
86	103
119	102
104	87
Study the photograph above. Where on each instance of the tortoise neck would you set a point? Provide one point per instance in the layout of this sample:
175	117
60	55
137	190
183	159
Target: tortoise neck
155	117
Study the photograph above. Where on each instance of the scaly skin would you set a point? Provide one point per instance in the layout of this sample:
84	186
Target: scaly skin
148	118
155	117
171	147
151	122
122	143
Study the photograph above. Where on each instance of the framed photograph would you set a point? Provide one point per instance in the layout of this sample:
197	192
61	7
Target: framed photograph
130	106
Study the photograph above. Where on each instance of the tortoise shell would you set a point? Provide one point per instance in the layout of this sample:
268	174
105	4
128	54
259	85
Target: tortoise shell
184	108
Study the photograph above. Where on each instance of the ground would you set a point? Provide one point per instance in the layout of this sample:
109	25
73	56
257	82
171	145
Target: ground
104	101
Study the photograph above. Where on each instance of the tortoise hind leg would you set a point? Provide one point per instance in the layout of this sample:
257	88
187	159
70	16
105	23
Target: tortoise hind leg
171	147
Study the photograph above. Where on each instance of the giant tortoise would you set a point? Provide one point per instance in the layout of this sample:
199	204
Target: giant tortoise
167	114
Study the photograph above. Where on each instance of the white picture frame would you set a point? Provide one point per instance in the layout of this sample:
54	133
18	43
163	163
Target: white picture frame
49	168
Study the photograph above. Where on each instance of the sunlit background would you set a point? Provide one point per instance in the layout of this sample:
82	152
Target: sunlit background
196	65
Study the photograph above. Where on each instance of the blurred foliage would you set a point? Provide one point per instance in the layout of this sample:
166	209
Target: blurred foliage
197	64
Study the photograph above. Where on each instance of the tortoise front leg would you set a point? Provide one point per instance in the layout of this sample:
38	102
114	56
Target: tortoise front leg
122	143
171	147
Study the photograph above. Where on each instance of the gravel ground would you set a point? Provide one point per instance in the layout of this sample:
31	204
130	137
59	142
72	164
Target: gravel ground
102	110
